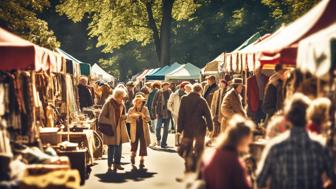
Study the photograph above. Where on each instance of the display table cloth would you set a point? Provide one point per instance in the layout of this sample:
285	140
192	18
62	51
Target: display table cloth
85	138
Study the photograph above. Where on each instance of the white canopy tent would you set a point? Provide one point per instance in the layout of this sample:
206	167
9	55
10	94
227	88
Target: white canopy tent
97	71
315	54
212	68
185	72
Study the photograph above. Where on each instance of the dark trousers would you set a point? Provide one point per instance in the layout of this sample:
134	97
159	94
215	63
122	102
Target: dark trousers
191	150
217	128
165	123
258	115
113	154
139	138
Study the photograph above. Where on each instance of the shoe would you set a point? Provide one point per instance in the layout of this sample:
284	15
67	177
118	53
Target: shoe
119	167
180	179
142	164
158	143
164	146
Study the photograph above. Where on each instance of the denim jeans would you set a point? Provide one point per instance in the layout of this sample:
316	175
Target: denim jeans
165	123
113	154
153	125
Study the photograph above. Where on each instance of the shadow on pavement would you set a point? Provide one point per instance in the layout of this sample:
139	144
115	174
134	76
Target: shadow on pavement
135	174
169	149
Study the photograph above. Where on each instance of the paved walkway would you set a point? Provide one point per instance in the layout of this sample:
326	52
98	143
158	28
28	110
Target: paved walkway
162	168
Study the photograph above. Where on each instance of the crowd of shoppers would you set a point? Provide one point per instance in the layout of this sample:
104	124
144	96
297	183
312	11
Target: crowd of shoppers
231	112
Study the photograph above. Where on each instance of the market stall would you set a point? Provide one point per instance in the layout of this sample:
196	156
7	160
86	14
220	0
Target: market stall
185	72
18	53
281	47
315	52
212	68
40	116
98	72
84	68
160	74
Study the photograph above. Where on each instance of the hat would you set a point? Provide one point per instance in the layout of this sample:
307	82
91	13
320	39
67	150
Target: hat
130	83
184	83
148	84
156	84
164	84
211	77
237	81
138	97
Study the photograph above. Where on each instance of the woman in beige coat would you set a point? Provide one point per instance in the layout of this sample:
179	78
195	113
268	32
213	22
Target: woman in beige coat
138	117
113	113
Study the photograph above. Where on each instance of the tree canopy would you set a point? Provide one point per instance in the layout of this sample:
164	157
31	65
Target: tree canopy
21	17
286	11
131	32
116	23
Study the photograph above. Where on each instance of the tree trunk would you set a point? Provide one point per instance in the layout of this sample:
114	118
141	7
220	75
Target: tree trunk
123	70
153	27
165	31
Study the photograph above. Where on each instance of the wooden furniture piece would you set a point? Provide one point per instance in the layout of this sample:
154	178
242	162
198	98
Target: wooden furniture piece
77	161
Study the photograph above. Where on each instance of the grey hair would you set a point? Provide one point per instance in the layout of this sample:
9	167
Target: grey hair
119	92
197	88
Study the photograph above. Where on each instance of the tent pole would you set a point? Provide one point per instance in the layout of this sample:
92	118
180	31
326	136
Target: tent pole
318	88
245	91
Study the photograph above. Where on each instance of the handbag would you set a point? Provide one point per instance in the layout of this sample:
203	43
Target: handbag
106	129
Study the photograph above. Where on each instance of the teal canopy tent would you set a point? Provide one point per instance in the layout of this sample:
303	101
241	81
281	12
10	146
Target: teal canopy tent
85	68
160	74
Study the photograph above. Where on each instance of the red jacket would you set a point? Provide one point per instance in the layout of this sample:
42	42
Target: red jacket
253	92
223	169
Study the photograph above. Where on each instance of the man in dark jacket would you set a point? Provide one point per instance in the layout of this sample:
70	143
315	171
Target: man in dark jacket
193	120
130	94
255	94
155	88
85	96
162	113
273	98
209	89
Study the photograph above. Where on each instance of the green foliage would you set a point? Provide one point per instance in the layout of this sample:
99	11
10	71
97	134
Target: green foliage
286	11
201	30
118	22
129	60
21	18
218	26
111	66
